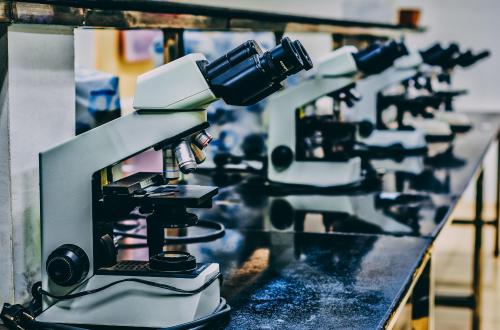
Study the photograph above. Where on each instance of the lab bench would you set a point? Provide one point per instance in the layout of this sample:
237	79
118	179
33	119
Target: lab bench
37	52
363	273
295	269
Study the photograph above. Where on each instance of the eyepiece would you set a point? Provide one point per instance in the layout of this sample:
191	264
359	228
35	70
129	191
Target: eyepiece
285	57
437	55
233	57
467	58
431	52
376	58
307	63
245	75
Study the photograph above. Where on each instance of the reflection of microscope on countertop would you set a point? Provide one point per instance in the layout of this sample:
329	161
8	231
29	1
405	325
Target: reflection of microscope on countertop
369	213
82	281
309	143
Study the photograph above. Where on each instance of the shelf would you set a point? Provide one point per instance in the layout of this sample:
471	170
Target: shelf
140	14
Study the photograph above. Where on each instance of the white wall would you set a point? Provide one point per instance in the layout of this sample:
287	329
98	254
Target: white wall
473	24
36	113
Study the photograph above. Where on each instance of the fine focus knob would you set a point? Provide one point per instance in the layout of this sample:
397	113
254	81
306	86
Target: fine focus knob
173	261
67	265
282	156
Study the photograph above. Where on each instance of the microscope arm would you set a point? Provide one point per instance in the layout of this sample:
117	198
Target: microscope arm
66	172
281	110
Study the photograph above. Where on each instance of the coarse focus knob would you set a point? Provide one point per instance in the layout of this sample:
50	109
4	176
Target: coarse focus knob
67	265
365	128
282	156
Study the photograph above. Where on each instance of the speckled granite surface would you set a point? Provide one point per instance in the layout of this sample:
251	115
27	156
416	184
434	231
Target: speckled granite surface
286	280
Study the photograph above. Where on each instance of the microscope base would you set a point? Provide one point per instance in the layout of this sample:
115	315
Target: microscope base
435	130
132	304
414	164
459	122
398	140
319	173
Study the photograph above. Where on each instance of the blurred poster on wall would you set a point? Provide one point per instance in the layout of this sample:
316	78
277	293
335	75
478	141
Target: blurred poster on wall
137	44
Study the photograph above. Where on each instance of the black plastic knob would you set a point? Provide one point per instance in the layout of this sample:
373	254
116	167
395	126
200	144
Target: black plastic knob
173	261
282	156
365	128
67	265
281	214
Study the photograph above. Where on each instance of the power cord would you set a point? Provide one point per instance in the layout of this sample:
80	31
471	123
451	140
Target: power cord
136	280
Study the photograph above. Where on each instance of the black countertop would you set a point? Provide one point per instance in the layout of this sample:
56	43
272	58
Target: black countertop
304	280
283	271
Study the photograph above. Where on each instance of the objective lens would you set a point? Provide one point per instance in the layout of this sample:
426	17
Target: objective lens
202	139
199	155
185	157
170	165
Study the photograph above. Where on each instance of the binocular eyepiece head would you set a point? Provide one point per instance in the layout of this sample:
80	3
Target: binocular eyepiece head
246	74
437	55
378	57
468	58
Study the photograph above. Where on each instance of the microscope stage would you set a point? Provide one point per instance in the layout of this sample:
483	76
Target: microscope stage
147	187
187	195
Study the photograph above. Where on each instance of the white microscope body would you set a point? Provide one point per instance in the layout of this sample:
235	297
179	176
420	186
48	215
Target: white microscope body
334	72
366	109
67	206
170	103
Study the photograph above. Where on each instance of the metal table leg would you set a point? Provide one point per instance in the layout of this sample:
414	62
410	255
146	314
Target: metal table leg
497	204
423	300
477	258
472	301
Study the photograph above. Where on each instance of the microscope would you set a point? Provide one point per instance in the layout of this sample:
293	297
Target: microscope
83	282
388	137
309	144
435	81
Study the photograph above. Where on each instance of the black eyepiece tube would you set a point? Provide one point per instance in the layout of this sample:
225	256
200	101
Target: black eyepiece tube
444	57
242	80
470	58
430	53
284	58
233	57
449	53
379	57
306	60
